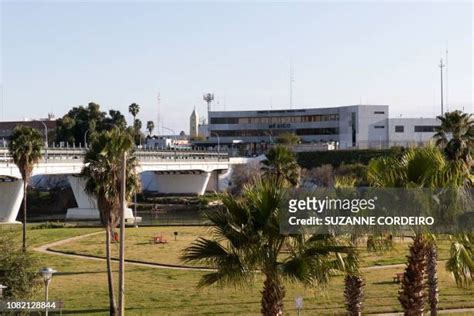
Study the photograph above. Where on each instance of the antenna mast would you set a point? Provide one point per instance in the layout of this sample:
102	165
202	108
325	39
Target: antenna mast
208	97
441	66
158	99
447	94
291	85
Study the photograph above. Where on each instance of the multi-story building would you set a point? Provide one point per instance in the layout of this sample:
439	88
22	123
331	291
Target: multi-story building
354	126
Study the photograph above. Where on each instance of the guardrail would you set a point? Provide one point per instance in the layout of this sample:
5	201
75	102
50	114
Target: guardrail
55	154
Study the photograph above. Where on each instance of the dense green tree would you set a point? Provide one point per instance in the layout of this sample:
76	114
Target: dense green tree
102	173
247	240
25	148
86	122
281	164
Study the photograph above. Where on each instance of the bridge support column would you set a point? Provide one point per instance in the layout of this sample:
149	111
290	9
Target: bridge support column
180	183
11	196
87	205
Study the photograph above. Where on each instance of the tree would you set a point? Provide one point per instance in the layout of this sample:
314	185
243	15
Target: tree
134	109
137	126
455	136
288	139
102	173
461	259
354	294
82	124
150	126
247	240
16	268
281	163
412	295
25	148
417	168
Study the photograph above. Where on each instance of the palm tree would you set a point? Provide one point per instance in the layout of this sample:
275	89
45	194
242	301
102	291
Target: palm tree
354	294
247	239
461	261
281	163
418	168
25	148
134	109
150	126
456	135
102	173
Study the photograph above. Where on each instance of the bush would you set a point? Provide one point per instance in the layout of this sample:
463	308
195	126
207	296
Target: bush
17	271
49	225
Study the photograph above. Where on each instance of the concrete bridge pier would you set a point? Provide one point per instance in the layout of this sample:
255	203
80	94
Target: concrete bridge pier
11	196
179	182
86	204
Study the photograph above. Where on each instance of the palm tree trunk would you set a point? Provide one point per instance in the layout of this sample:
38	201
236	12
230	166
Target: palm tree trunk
25	187
272	297
412	293
431	268
113	306
353	294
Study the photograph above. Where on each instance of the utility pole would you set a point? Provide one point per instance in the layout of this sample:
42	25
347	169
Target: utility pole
441	66
291	85
122	236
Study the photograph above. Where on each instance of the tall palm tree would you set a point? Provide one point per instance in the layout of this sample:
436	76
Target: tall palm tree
456	135
134	109
102	173
281	163
150	126
418	168
247	239
25	148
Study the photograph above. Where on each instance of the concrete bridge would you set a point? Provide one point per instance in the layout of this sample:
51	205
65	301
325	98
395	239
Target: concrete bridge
169	171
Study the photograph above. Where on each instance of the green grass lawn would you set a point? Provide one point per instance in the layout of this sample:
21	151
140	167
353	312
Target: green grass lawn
139	247
81	283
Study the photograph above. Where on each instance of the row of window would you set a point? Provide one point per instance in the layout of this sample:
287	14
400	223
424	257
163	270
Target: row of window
417	129
275	133
275	119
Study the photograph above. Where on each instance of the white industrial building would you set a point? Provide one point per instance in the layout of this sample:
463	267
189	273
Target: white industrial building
354	126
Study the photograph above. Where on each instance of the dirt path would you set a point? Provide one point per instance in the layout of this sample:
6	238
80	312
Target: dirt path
46	249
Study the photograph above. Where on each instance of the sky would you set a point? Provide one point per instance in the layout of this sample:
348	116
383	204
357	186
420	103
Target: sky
56	55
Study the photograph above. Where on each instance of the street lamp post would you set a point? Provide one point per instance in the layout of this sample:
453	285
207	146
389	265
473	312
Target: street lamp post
47	274
2	287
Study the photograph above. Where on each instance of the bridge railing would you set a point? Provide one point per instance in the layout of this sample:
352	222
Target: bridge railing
55	154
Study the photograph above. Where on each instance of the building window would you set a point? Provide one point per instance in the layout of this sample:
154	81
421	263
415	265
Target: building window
379	126
399	129
379	112
425	129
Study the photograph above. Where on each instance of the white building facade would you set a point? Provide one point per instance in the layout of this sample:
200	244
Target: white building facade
354	126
